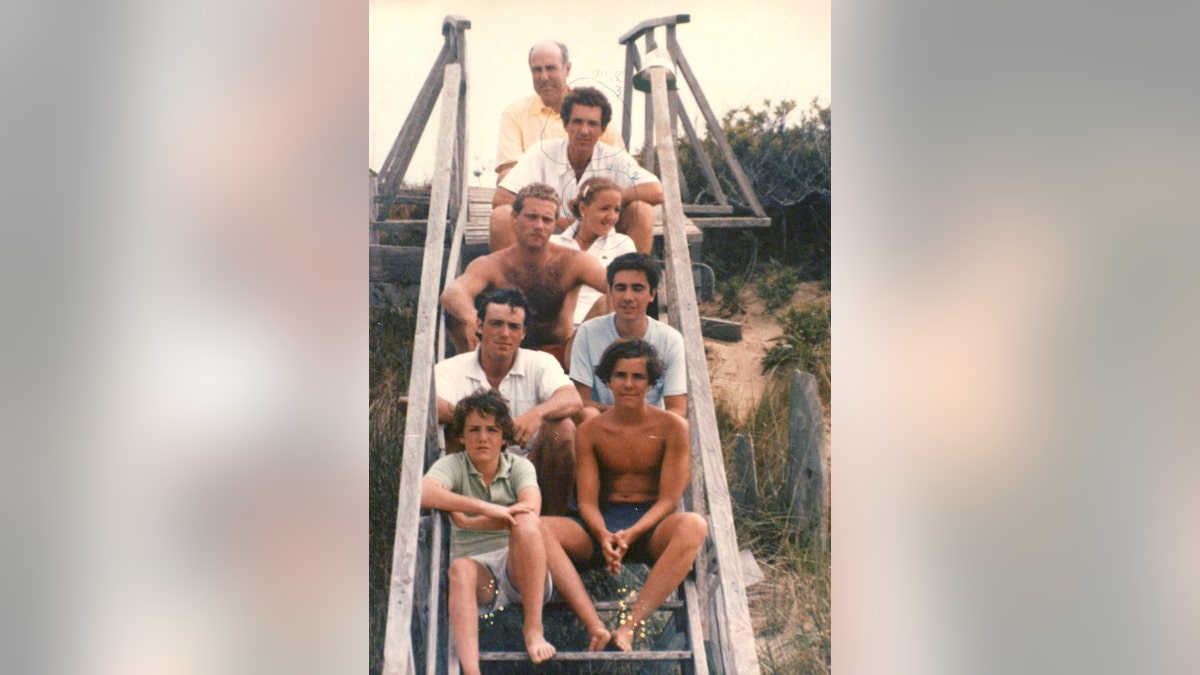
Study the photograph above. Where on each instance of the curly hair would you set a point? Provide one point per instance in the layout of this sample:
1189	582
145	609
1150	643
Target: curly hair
631	348
486	403
588	191
588	96
535	191
635	262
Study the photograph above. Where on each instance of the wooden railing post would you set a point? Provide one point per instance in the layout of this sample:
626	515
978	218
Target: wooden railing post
421	419
808	456
734	632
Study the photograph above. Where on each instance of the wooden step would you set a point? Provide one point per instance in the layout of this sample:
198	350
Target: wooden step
682	655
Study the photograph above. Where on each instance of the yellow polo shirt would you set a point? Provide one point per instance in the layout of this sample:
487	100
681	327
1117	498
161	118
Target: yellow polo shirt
527	120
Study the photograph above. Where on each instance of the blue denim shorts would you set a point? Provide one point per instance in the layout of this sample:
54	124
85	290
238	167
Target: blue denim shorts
618	517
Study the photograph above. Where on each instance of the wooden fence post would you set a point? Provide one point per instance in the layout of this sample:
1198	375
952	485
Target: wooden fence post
747	475
808	455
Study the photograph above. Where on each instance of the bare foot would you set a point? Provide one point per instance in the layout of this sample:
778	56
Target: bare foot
599	637
539	650
623	637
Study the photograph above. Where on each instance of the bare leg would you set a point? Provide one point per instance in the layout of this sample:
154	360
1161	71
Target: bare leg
527	570
674	546
566	545
553	456
500	228
637	222
471	585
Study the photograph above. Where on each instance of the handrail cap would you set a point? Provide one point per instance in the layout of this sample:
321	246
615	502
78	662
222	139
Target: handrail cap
649	24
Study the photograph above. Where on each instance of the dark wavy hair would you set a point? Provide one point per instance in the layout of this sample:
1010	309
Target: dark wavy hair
589	96
635	262
487	403
501	296
632	348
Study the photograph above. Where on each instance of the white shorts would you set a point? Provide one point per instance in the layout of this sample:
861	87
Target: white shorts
496	562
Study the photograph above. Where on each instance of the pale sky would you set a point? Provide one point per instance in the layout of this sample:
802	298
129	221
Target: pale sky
777	50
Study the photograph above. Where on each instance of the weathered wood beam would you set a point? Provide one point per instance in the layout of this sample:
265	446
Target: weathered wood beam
635	32
632	65
706	223
747	473
707	209
398	264
592	656
714	127
719	329
808	457
372	208
648	138
705	163
396	164
735	633
421	417
673	105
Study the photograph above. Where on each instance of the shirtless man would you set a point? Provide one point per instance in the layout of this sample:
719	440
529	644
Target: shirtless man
548	274
632	466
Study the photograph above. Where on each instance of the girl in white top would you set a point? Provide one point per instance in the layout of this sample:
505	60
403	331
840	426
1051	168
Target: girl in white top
597	209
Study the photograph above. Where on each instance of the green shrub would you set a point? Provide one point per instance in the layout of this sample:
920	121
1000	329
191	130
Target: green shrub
804	345
777	284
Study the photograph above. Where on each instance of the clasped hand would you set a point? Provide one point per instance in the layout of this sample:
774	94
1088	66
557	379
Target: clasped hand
614	546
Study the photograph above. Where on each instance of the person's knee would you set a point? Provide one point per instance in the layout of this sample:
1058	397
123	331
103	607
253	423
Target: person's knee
636	212
462	573
692	530
560	432
527	525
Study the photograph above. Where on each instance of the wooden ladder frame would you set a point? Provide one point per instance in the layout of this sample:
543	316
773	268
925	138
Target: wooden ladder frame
711	215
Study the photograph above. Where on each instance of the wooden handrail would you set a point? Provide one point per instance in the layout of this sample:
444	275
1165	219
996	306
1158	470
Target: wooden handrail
731	630
650	24
455	22
420	427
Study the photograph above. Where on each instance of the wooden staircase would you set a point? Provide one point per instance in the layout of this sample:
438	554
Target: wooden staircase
710	636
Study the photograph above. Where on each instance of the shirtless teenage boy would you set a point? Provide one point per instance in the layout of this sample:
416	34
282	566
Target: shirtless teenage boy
548	274
632	466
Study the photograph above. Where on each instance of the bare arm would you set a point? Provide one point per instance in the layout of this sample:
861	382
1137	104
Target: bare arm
564	402
434	495
501	172
529	500
445	410
585	395
676	404
458	300
590	271
651	193
587	481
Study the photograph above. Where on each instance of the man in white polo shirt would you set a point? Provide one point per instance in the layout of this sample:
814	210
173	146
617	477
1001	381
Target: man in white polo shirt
565	163
541	396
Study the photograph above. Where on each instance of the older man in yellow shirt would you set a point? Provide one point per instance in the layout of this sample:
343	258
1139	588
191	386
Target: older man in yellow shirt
528	120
